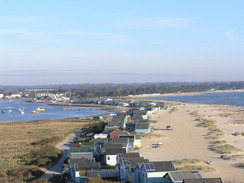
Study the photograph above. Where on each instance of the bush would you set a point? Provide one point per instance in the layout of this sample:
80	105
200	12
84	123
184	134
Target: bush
3	176
94	128
189	160
98	180
237	133
43	156
56	178
41	181
48	141
222	147
27	173
196	167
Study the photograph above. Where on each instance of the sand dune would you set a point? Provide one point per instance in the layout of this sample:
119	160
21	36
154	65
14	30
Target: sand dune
188	140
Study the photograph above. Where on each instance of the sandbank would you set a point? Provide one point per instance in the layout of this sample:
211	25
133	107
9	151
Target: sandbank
183	93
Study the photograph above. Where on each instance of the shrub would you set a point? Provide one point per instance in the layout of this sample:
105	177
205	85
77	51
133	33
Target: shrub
27	173
56	178
222	147
98	180
48	141
189	160
174	109
43	156
41	181
94	128
240	165
196	167
3	176
194	113
237	133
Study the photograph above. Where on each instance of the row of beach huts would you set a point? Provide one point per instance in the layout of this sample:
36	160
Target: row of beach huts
113	154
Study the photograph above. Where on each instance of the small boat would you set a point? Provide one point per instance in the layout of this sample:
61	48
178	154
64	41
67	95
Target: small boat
8	111
35	111
21	111
67	109
40	109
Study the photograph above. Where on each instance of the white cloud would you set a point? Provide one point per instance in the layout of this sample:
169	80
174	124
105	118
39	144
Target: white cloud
10	31
229	35
104	36
153	22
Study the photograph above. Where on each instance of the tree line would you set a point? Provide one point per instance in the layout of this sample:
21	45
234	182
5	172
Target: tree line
115	90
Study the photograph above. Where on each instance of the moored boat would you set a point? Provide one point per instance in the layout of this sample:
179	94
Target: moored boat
35	111
67	109
21	111
8	111
40	109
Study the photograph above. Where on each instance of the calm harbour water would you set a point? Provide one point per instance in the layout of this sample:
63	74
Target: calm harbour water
51	111
232	98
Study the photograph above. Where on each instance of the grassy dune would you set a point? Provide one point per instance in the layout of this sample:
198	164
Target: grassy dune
21	138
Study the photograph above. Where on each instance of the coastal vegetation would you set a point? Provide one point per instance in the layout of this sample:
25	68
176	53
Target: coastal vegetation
238	133
189	160
222	147
149	88
217	142
151	135
26	146
191	164
196	167
101	90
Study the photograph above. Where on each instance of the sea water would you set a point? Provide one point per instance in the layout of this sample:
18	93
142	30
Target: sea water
51	111
226	98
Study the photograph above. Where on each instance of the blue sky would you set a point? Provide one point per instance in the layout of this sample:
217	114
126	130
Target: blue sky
120	41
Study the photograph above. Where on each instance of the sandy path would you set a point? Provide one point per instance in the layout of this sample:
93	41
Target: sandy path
64	147
188	141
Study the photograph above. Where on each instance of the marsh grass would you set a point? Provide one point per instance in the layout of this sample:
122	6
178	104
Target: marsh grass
174	109
238	133
151	135
192	164
240	165
214	133
196	167
18	138
189	160
222	147
202	122
195	113
232	157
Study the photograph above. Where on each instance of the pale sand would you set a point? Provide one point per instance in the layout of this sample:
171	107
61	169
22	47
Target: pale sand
186	140
183	94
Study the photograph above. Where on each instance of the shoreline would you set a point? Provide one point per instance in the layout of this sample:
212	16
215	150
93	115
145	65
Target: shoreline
188	140
184	94
191	141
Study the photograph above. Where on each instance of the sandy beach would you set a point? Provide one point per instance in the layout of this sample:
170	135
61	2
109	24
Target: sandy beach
190	139
183	94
